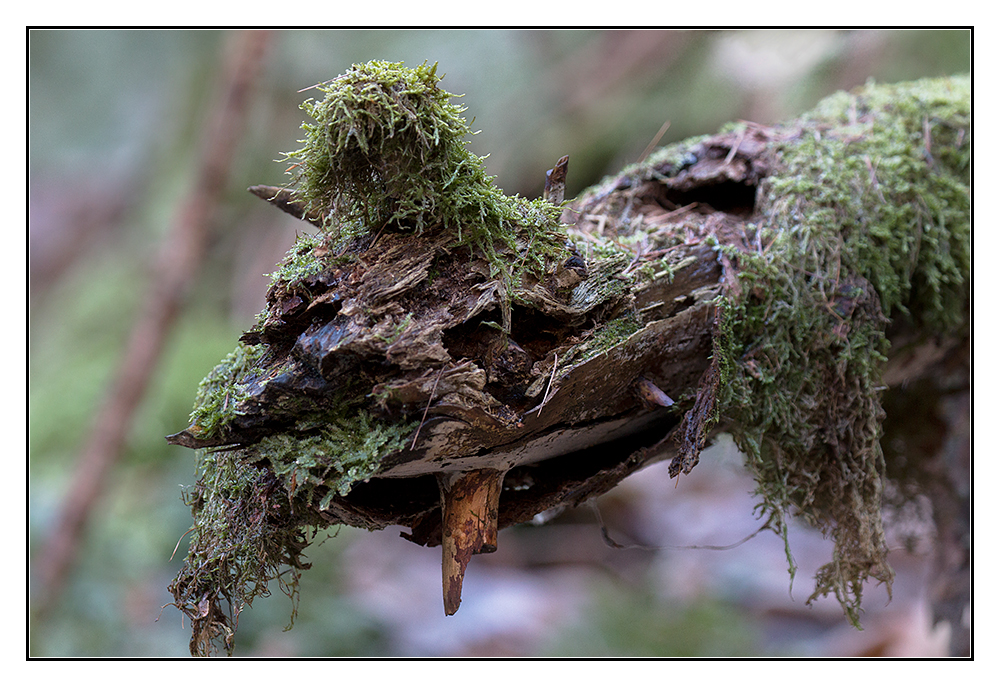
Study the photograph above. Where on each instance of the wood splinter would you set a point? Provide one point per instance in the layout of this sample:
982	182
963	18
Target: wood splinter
555	181
470	505
285	200
651	394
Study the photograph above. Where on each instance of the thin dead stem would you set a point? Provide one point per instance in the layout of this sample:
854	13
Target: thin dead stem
545	397
427	408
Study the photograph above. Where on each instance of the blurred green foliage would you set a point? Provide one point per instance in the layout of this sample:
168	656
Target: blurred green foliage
114	124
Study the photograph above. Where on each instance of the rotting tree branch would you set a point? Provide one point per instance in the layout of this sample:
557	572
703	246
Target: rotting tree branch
456	362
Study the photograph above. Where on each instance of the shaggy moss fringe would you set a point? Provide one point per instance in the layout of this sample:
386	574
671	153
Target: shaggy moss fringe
867	219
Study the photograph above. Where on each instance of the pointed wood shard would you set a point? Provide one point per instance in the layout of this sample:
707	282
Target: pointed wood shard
470	504
285	200
651	394
555	181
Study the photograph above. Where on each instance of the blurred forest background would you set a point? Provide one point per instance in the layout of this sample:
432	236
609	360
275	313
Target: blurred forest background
117	126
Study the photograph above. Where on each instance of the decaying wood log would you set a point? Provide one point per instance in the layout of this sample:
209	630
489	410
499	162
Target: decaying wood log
456	384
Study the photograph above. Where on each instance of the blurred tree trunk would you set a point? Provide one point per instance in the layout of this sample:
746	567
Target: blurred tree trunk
178	267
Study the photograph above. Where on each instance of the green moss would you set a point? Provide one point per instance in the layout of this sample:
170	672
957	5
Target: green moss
253	514
332	456
867	218
889	173
244	536
614	332
222	390
398	330
389	148
303	260
606	337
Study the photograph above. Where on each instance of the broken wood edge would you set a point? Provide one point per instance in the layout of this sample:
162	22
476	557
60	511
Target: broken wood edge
470	508
284	199
555	181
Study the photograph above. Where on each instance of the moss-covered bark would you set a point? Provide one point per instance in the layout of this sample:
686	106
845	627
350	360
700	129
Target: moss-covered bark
432	329
860	220
867	221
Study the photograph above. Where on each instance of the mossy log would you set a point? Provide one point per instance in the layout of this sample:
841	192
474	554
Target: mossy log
457	380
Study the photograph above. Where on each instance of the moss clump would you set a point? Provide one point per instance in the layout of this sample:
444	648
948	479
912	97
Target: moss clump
303	260
388	147
890	172
867	218
254	515
388	150
332	456
244	535
222	391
